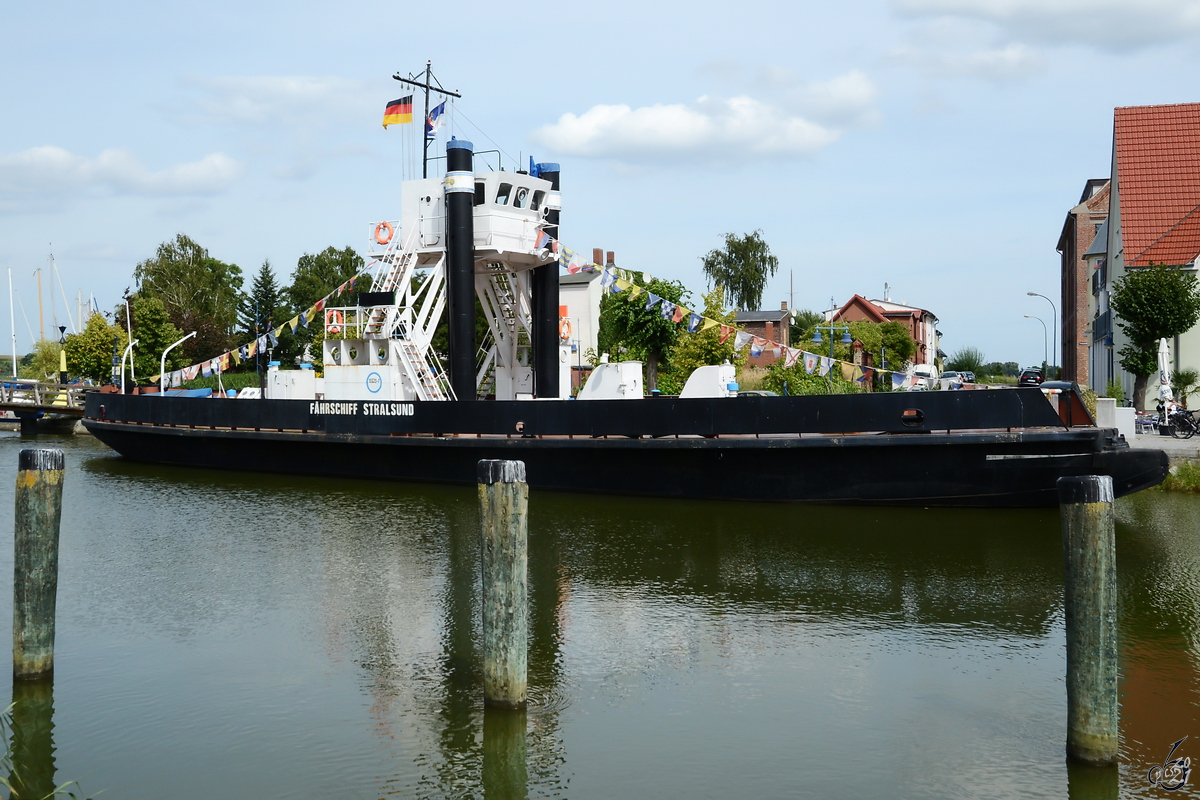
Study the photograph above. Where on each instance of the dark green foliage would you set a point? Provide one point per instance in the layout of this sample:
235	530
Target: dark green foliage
742	267
996	368
799	382
1152	303
968	359
804	320
259	311
154	333
316	276
874	336
628	332
198	292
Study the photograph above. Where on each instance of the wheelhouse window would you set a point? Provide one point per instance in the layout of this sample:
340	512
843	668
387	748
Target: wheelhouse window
535	204
521	198
480	192
502	194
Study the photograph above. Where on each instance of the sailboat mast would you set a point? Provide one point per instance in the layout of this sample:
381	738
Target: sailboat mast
13	319
41	313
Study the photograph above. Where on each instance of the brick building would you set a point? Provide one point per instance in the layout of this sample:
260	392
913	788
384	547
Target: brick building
1078	233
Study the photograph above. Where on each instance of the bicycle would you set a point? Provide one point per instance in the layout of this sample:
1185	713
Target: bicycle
1183	424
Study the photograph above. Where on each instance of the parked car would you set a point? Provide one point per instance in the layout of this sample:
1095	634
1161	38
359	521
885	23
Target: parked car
1030	377
950	380
968	377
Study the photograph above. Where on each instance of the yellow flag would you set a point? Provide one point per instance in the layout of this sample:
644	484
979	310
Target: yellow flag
847	371
708	323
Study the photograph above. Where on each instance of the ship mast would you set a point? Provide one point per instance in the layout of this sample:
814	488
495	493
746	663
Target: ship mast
428	86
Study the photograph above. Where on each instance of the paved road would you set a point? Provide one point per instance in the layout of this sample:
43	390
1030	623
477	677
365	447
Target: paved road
1176	449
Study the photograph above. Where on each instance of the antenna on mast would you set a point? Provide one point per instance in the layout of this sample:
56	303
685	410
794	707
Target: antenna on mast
428	86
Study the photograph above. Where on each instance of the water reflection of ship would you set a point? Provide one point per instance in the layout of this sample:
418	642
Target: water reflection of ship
424	597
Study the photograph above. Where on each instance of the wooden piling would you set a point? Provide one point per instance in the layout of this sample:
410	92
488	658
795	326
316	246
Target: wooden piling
1090	605
503	507
35	561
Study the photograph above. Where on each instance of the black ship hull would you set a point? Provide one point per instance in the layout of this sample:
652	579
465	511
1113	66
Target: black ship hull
981	449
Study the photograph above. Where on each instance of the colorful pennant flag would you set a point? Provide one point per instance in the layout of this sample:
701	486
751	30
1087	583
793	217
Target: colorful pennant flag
726	332
793	356
826	366
848	371
677	317
398	112
652	300
741	340
694	321
810	362
898	379
756	346
667	310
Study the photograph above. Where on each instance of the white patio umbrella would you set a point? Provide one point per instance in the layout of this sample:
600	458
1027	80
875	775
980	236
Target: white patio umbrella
1164	371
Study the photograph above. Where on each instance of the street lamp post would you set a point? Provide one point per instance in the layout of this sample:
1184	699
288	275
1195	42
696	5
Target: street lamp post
1045	336
1054	317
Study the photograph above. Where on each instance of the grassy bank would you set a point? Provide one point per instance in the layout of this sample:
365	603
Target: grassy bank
1183	478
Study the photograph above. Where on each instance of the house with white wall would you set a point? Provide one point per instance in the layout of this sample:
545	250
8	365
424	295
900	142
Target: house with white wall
1153	218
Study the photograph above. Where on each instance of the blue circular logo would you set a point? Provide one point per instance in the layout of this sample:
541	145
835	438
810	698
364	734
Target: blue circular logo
374	383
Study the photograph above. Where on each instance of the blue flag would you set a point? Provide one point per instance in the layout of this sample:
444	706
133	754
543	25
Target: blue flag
652	300
435	119
694	322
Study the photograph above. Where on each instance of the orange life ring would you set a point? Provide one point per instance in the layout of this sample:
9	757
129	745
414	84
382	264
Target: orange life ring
334	321
564	328
380	236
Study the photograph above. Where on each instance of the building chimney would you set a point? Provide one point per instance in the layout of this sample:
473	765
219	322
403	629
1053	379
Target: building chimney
597	255
610	261
783	306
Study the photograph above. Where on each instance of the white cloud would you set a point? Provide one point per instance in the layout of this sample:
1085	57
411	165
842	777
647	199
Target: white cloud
807	117
995	64
1110	23
50	170
259	100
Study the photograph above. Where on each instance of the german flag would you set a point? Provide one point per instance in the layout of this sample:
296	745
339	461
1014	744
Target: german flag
398	111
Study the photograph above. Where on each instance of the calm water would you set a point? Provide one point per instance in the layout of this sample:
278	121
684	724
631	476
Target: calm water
243	636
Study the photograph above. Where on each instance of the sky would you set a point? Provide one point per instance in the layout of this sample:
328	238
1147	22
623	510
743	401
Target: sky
931	145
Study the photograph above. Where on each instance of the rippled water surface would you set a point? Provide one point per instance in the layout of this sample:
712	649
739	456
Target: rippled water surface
243	636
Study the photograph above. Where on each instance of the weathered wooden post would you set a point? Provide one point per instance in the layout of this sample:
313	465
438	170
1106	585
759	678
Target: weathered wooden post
35	561
1090	604
503	505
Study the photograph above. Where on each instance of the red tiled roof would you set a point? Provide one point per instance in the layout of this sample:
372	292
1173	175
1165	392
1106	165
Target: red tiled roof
1158	177
869	309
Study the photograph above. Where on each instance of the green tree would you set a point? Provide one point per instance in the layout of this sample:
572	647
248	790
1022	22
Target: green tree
704	347
804	320
90	352
199	292
968	359
645	336
42	362
1152	303
259	311
800	382
316	276
742	267
1184	384
154	333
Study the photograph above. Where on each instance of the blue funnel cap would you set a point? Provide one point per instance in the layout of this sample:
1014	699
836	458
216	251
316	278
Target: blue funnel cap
549	166
459	144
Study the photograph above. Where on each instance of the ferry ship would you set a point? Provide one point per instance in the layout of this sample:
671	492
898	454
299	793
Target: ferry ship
388	407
